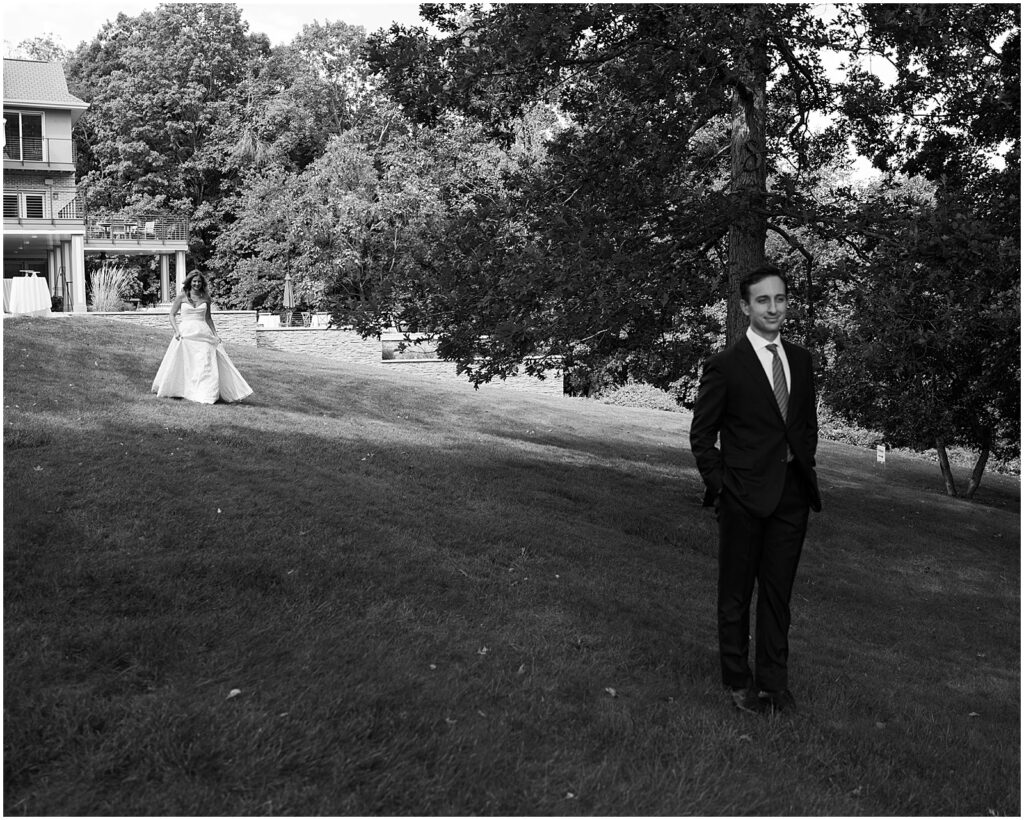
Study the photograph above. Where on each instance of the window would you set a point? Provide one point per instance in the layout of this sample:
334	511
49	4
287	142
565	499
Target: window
33	206
23	135
28	205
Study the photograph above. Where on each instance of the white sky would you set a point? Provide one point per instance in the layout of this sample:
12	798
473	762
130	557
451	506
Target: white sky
73	21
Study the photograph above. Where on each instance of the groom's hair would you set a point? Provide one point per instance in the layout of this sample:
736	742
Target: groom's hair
756	275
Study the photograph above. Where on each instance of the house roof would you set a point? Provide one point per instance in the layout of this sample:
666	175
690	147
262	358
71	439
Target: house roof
30	82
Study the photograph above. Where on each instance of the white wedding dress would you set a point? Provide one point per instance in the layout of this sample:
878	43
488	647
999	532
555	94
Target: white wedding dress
196	367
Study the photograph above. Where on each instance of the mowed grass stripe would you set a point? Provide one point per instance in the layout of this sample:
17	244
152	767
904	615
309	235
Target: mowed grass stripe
436	600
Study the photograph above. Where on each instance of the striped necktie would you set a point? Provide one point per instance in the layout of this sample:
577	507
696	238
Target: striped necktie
779	380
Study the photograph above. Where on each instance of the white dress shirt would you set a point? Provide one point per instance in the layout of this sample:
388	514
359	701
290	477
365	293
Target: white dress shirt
764	355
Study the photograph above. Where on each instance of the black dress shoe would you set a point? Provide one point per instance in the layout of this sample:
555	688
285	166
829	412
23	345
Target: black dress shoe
745	700
781	701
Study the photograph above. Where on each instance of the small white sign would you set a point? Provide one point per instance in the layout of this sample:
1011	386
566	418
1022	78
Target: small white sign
881	453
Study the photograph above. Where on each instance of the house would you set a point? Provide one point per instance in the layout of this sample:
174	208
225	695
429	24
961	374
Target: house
47	227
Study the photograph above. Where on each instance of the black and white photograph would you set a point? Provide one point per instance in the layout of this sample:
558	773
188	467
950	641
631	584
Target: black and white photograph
511	409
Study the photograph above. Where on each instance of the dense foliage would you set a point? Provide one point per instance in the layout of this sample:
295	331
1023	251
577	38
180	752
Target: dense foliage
931	356
580	185
658	97
662	162
159	86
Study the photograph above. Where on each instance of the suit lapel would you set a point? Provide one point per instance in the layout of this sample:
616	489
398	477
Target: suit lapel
748	356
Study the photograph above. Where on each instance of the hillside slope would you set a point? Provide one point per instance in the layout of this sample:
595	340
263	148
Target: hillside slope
435	600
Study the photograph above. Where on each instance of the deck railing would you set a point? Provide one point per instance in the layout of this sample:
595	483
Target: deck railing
31	208
37	149
145	227
72	210
39	209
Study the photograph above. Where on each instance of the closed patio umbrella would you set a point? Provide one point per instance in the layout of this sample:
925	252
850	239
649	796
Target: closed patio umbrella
289	298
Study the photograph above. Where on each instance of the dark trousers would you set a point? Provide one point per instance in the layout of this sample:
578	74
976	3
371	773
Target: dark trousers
766	550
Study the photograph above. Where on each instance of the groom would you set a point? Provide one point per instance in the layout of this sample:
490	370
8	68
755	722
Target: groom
758	396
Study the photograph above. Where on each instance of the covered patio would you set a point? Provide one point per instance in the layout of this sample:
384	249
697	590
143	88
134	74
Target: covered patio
54	249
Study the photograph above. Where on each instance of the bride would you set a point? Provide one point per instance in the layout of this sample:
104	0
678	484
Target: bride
195	366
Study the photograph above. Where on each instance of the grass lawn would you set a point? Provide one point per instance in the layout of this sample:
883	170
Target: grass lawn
361	593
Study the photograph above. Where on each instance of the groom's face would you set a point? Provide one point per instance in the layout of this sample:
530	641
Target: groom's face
766	307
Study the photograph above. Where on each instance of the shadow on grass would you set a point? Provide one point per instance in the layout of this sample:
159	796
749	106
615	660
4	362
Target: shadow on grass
432	602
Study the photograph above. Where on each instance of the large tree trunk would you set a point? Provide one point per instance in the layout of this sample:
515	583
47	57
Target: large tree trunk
947	474
979	465
749	179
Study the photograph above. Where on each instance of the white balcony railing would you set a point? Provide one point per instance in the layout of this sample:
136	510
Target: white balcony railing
34	149
143	228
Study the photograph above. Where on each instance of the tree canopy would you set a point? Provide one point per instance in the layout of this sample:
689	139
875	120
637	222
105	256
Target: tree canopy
666	105
581	185
158	86
932	354
688	123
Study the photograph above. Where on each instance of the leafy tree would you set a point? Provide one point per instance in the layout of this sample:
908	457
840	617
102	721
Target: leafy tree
257	246
47	48
935	331
656	97
415	249
331	82
306	92
932	356
676	92
587	181
285	114
158	86
955	100
395	222
665	148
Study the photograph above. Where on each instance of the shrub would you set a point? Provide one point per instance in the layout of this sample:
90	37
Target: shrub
834	427
638	394
110	284
831	426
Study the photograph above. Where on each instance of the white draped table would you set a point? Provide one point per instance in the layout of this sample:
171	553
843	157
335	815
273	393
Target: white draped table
26	295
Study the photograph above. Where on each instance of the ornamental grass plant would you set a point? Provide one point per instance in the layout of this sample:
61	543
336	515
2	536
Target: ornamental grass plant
365	593
109	287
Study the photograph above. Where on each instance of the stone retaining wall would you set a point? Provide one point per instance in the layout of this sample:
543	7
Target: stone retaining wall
330	343
340	344
233	326
343	344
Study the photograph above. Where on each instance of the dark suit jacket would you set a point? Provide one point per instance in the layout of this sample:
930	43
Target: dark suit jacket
737	402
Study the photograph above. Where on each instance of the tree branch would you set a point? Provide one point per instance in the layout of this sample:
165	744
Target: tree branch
797	67
794	243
